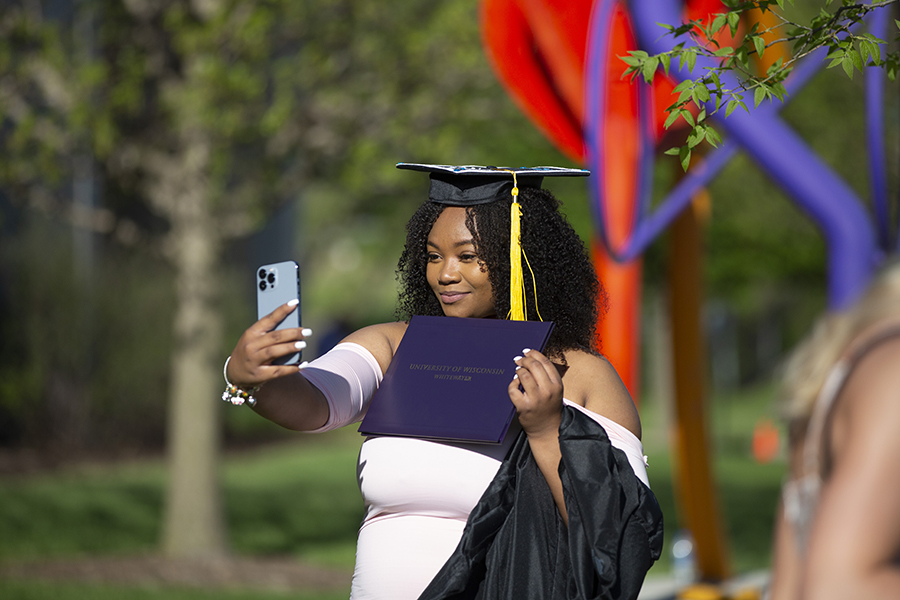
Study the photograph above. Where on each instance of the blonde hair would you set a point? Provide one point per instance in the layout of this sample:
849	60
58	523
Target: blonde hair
811	361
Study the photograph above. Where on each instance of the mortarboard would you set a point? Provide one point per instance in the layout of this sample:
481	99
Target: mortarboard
471	185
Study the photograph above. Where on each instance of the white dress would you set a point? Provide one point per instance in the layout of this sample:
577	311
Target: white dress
417	493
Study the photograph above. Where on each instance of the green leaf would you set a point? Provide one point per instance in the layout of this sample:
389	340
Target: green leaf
742	57
695	97
873	38
684	153
665	59
649	68
856	58
892	65
864	50
684	28
780	4
759	95
673	116
666	26
760	45
847	64
835	61
718	23
682	85
673	151
702	93
734	19
876	51
780	91
692	59
674	106
687	116
775	67
696	136
713	137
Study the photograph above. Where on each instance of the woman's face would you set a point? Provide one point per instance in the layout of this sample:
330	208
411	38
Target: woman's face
459	280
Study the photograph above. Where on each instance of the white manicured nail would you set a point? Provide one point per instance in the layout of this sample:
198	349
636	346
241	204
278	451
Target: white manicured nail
518	367
300	345
306	332
526	350
303	365
515	358
293	302
516	376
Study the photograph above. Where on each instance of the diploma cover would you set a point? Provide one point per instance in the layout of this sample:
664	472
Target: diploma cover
448	379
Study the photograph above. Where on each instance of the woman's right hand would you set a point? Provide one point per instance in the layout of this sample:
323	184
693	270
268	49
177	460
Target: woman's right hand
251	360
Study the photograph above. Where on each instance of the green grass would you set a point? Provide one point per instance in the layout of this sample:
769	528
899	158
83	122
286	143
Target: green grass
294	499
95	511
748	491
301	499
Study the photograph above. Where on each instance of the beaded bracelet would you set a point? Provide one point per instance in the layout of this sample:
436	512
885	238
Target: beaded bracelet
235	394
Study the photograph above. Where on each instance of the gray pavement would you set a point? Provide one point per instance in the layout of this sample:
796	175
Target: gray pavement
664	587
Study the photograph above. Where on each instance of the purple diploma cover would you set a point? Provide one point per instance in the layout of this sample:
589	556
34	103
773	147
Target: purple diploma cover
449	378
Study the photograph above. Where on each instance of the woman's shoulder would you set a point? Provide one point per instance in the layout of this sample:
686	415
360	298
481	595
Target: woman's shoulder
873	362
380	340
593	382
868	406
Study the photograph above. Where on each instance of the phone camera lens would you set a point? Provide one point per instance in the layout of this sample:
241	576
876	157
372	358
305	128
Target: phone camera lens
263	286
271	278
262	274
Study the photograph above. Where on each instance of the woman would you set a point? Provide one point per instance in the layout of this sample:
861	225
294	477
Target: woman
838	533
456	263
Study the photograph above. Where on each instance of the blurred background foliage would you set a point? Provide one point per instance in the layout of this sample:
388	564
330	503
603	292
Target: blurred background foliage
308	105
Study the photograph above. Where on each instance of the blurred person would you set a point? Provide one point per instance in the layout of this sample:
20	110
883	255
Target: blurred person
569	510
838	531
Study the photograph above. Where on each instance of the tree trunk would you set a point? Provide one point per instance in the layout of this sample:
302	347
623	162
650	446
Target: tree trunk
193	521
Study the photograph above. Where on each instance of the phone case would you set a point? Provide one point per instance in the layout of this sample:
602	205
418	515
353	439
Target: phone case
276	284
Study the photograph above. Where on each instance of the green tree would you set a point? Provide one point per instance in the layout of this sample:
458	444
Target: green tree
794	32
209	114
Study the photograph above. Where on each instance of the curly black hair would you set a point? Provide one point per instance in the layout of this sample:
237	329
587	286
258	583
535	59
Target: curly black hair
569	293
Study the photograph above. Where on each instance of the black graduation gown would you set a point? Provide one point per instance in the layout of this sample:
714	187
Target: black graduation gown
515	545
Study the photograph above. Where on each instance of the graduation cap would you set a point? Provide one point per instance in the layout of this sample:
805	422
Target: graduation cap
472	185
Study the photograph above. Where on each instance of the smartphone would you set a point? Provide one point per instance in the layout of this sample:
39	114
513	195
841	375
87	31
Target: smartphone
277	284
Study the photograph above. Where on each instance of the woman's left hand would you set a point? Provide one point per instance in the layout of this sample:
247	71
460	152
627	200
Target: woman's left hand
537	392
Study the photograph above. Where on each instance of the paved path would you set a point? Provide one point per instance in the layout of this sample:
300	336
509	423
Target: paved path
666	588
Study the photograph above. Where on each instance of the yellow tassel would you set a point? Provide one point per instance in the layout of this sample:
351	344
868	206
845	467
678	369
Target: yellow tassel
516	277
518	309
533	283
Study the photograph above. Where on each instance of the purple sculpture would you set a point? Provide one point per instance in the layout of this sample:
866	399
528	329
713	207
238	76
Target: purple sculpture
855	248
